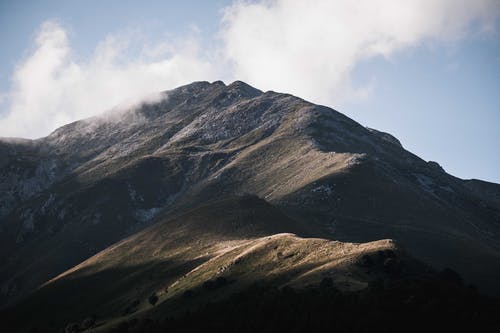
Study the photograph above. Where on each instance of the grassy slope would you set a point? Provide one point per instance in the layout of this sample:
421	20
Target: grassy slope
239	239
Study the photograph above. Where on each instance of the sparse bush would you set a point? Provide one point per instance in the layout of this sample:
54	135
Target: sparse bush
390	254
153	299
88	322
376	285
392	267
208	285
73	328
450	275
120	328
220	281
366	261
326	283
214	284
287	290
131	308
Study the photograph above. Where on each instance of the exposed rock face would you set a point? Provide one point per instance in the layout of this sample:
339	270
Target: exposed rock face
89	184
387	137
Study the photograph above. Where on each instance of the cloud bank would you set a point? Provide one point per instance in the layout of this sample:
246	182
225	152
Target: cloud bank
50	88
308	48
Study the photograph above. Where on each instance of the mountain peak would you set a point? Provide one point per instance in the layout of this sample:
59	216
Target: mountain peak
232	93
246	89
340	180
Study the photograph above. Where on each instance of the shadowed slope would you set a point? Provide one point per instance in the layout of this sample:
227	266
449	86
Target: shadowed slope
211	252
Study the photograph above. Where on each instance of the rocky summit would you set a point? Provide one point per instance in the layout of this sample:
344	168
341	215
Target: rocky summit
214	188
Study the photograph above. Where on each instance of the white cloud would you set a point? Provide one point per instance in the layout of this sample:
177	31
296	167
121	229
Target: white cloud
51	89
307	48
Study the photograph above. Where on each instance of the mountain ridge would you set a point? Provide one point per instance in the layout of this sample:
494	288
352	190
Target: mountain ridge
237	241
91	183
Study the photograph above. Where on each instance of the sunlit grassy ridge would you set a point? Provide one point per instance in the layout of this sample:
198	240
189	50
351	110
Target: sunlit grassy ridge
207	254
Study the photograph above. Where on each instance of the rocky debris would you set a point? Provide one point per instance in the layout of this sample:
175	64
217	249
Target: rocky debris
386	137
435	166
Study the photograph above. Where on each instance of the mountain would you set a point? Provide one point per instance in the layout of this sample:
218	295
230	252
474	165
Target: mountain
207	253
175	189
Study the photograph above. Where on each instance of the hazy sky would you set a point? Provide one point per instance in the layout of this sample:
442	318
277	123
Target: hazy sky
427	71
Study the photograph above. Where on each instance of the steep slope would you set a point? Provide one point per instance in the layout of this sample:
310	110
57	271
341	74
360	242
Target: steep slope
93	182
206	254
489	192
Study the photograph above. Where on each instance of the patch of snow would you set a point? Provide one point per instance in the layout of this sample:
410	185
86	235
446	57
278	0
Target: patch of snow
326	189
132	193
96	218
7	203
21	183
483	231
426	182
314	144
28	220
47	203
61	214
447	188
45	173
356	159
144	215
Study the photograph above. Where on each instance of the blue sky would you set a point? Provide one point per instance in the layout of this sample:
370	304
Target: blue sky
429	73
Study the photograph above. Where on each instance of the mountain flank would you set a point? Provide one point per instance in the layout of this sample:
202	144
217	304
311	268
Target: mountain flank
215	188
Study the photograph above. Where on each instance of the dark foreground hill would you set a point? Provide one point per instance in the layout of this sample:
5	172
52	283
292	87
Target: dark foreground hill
205	255
227	266
216	181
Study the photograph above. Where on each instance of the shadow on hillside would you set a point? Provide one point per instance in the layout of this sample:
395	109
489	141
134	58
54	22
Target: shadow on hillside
426	303
409	305
102	294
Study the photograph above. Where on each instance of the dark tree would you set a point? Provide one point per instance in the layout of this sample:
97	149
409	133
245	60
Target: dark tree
153	299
